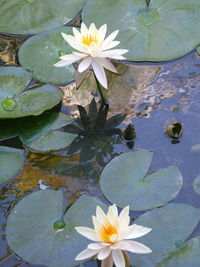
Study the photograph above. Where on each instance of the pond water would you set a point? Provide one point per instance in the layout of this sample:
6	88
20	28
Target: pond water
153	95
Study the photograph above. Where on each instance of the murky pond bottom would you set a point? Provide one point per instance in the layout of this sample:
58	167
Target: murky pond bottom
153	96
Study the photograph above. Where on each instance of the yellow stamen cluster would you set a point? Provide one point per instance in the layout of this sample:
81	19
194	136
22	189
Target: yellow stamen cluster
88	39
108	233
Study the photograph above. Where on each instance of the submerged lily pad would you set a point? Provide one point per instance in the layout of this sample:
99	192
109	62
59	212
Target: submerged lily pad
9	128
11	162
42	133
16	102
31	231
39	54
35	16
123	181
171	226
167	29
196	185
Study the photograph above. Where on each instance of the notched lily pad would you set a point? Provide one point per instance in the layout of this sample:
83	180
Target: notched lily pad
44	133
16	102
31	231
19	16
123	181
11	162
166	30
39	54
171	226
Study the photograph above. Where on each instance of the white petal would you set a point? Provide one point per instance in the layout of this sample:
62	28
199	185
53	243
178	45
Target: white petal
70	57
73	42
86	254
95	246
108	65
85	63
84	29
100	73
110	38
102	32
97	224
118	258
76	33
88	232
135	231
134	247
108	262
104	253
92	29
114	53
101	216
81	55
64	63
110	45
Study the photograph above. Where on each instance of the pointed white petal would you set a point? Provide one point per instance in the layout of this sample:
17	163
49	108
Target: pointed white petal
70	57
135	231
114	53
64	63
101	216
118	258
85	63
100	73
134	247
112	212
92	29
76	33
102	32
88	232
104	253
86	254
110	45
71	40
124	219
81	55
97	246
108	65
110	38
108	262
97	224
84	29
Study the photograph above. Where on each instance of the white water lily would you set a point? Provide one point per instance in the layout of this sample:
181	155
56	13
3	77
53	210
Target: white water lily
112	234
94	50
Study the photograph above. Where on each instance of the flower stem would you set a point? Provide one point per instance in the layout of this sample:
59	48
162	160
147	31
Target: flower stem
148	2
127	259
100	88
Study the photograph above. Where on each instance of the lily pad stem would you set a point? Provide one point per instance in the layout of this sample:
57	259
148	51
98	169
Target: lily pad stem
148	2
100	88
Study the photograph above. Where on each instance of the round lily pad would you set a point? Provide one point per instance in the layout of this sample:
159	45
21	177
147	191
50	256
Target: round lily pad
123	181
11	162
44	133
171	226
196	185
39	54
166	30
35	16
31	231
16	102
188	255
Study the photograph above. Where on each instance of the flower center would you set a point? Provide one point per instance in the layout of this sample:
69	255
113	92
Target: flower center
109	233
88	39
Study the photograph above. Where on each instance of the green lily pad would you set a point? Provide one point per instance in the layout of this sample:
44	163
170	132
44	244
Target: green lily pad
35	16
31	234
39	54
42	133
11	162
196	185
16	102
123	182
9	128
166	30
186	256
171	226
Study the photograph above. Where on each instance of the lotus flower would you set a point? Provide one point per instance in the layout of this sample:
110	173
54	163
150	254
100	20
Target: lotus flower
93	50
111	234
